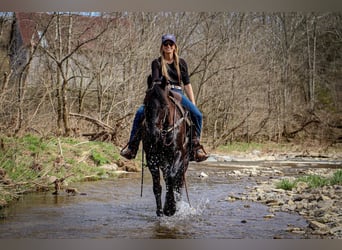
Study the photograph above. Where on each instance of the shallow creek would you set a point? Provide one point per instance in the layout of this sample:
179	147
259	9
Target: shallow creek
113	208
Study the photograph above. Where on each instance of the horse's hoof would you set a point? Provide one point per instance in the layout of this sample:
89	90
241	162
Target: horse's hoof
170	212
160	213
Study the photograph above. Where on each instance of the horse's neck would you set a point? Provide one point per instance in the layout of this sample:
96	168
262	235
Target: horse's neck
171	109
169	105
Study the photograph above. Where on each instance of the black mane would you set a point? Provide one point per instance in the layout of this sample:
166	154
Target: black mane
156	92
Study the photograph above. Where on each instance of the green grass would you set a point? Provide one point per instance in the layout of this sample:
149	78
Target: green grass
285	184
80	159
33	143
337	178
313	181
99	158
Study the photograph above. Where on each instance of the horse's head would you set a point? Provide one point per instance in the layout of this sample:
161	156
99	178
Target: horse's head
156	110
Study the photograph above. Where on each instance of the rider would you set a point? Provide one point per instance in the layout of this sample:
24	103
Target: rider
170	66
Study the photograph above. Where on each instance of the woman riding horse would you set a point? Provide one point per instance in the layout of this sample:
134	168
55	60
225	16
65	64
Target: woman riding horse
174	69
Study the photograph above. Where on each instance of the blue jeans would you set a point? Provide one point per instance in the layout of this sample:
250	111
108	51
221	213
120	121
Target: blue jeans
138	118
195	114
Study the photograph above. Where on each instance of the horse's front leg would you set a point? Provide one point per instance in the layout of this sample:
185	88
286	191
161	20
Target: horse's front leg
170	203
157	189
178	176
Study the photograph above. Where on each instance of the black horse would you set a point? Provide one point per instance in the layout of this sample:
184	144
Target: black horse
166	143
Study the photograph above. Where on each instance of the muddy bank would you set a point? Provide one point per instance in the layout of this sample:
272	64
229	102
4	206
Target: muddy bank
321	207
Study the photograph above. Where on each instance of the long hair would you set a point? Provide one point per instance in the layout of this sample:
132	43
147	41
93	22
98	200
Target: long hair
176	60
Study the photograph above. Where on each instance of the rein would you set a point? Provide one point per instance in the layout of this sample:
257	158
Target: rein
142	172
175	124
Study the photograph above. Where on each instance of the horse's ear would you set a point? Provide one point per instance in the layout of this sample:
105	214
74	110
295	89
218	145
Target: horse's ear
164	80
149	81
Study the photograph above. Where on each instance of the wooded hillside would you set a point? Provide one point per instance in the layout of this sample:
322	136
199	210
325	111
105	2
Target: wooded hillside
256	76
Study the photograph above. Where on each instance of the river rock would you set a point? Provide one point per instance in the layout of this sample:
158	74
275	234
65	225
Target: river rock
3	203
325	198
269	216
253	172
110	167
2	173
337	230
256	152
212	158
320	206
295	230
52	179
269	158
301	186
287	207
278	172
230	198
223	158
325	204
319	228
203	175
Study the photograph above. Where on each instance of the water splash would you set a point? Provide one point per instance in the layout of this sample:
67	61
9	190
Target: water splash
185	213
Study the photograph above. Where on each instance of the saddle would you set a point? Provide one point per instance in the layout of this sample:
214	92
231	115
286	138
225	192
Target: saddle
176	98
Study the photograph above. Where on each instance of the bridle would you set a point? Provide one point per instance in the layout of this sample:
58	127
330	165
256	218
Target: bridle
175	124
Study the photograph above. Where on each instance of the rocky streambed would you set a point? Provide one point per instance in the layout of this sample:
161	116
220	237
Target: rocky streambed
320	206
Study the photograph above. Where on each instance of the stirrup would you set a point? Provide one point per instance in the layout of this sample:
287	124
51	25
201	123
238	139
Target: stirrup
198	155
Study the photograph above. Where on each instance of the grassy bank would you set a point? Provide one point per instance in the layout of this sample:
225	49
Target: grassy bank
313	181
32	163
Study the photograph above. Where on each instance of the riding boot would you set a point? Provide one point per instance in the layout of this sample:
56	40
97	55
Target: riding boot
198	151
130	151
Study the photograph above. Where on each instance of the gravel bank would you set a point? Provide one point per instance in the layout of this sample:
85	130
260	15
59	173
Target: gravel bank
321	207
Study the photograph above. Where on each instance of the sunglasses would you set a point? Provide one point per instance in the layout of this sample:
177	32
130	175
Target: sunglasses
168	43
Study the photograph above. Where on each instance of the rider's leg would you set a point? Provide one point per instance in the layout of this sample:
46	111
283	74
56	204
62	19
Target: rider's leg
133	144
199	153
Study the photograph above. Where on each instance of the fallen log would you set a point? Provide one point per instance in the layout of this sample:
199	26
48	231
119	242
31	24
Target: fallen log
93	120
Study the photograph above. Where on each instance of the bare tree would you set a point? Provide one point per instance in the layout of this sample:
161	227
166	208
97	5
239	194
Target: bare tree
61	54
256	76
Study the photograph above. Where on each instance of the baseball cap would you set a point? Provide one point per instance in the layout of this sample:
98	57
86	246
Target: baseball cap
168	37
